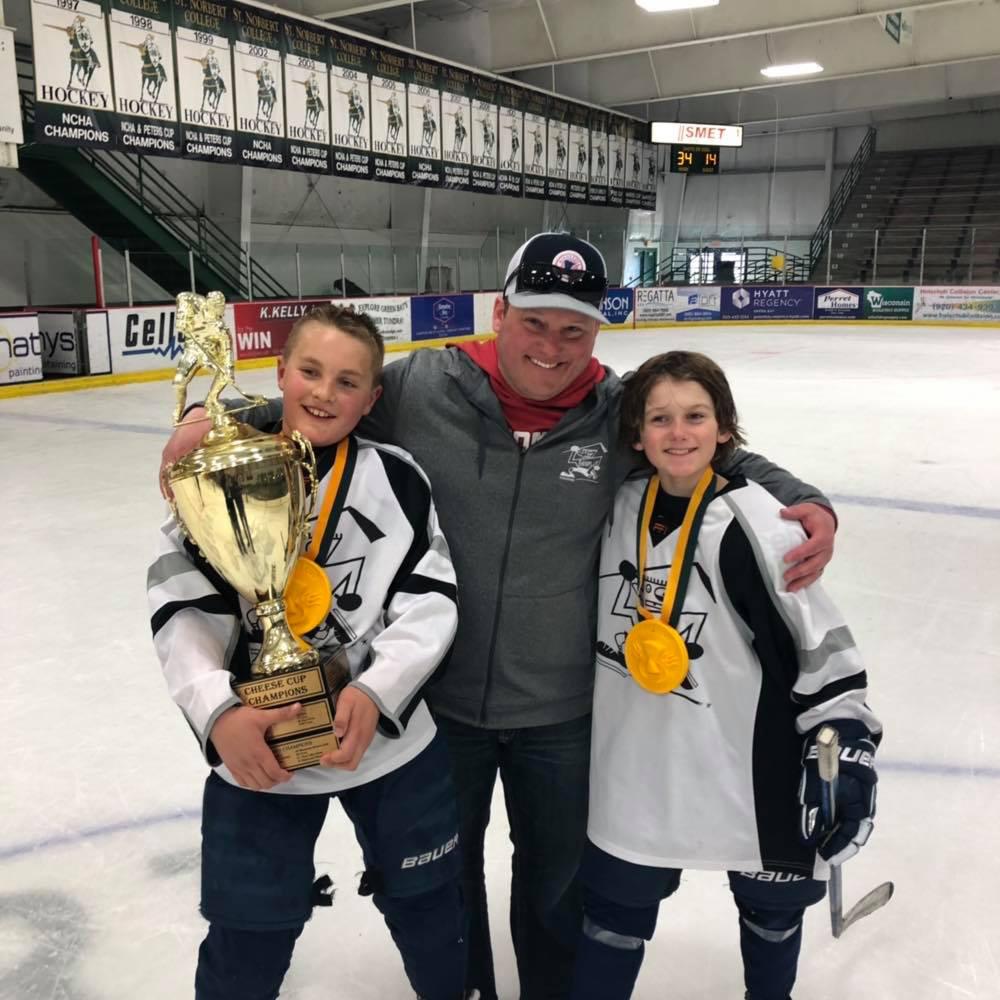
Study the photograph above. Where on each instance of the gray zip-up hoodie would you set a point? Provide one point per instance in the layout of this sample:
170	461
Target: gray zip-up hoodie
524	528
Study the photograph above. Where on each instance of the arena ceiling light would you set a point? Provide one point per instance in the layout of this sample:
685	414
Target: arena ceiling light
660	6
792	69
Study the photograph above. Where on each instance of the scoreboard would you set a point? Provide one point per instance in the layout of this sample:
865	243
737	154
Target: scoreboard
694	160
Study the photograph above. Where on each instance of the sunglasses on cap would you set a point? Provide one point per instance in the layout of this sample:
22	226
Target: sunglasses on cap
587	286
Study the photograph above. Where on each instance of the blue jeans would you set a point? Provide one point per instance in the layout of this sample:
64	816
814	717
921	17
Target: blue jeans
545	773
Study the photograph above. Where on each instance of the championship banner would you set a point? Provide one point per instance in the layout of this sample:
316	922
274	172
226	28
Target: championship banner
307	90
536	109
634	150
456	123
957	303
203	35
510	176
423	164
260	106
73	97
260	329
650	177
20	348
486	128
579	154
388	105
557	170
350	107
616	160
142	62
598	191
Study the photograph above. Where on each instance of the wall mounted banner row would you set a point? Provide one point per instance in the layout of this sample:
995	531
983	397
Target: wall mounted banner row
231	83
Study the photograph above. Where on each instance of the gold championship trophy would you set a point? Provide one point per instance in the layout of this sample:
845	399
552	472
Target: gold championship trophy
244	498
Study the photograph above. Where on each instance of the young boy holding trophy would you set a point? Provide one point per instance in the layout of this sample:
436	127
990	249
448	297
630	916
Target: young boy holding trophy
375	598
712	683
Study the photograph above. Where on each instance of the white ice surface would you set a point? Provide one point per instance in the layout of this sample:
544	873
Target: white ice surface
101	779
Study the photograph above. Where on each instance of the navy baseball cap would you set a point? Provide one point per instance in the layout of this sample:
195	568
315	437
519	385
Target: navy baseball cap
557	271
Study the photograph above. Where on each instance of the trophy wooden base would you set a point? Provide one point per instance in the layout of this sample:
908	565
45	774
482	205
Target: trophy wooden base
302	741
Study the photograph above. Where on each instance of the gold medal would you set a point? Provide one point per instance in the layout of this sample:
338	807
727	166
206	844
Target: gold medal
308	596
656	656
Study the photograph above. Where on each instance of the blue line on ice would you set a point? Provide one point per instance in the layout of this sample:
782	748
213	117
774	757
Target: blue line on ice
72	837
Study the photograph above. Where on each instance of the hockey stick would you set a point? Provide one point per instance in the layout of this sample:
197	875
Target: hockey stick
828	751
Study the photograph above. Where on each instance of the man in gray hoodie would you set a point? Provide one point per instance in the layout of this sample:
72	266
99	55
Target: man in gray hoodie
519	437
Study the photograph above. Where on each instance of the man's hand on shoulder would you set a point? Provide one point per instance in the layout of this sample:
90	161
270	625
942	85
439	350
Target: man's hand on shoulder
810	558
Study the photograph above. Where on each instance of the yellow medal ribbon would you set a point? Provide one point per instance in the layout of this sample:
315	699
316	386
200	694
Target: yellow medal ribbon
308	595
655	652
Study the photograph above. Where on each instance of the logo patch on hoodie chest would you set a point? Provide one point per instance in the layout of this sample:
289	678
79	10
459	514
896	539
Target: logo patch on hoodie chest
584	462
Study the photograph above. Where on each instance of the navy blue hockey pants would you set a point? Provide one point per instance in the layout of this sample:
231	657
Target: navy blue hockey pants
258	878
621	901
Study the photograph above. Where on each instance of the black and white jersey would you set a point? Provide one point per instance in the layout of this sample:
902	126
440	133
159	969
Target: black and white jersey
393	618
707	776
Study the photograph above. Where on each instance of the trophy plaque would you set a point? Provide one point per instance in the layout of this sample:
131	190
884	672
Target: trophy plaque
243	498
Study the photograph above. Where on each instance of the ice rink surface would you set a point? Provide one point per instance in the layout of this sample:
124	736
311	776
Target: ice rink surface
99	805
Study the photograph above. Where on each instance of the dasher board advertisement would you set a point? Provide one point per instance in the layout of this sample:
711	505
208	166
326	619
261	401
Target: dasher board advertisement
142	59
203	35
147	339
60	343
389	111
20	348
260	329
423	162
350	107
74	101
485	134
260	104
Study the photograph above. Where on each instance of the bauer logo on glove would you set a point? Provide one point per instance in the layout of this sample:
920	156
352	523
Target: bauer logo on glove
855	801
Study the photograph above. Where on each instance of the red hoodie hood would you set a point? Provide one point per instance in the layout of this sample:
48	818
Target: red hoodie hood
530	415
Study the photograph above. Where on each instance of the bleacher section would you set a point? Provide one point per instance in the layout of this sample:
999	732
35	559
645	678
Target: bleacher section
953	195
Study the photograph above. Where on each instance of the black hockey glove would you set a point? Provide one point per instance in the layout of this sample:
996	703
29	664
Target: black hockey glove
855	802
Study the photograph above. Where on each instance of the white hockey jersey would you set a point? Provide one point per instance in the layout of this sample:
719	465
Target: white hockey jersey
707	776
393	619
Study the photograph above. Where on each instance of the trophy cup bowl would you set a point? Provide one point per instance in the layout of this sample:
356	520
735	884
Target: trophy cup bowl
243	499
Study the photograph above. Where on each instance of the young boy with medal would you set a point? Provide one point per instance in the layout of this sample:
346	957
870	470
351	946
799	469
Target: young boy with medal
375	592
712	683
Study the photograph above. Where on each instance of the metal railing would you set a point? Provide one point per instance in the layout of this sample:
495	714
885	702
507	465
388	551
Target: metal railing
848	183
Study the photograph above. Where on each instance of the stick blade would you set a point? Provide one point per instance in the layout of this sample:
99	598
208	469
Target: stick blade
869	903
